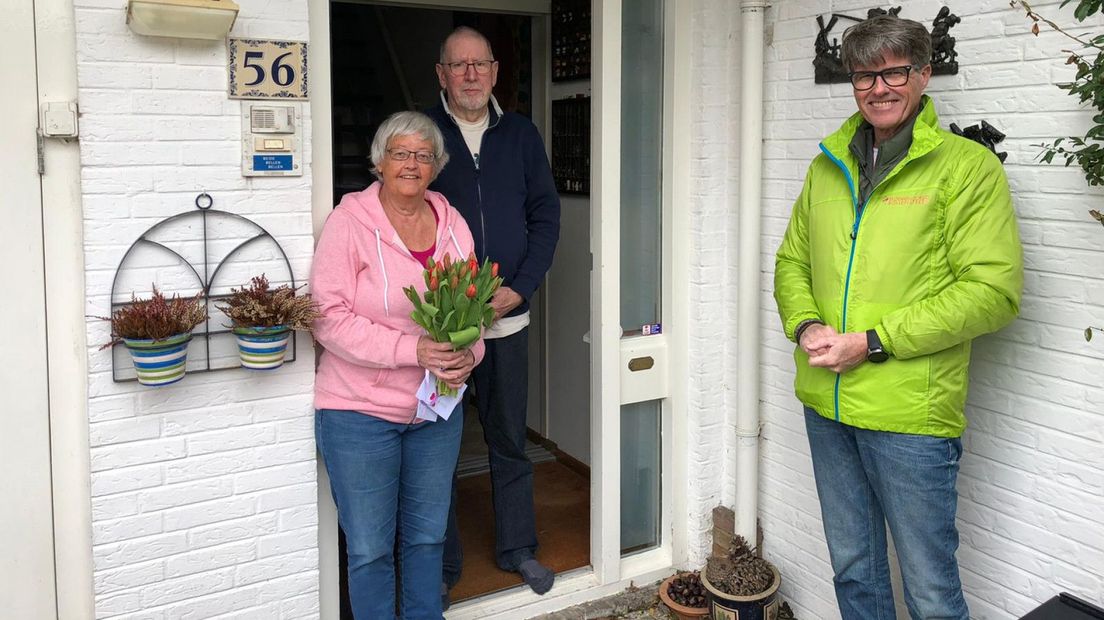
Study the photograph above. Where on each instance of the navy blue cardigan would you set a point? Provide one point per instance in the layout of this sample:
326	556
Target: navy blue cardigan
510	201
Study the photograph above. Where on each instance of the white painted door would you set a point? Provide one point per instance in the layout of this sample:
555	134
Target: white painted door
27	582
639	309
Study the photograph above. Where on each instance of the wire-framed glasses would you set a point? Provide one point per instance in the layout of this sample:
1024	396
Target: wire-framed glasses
422	157
482	67
893	76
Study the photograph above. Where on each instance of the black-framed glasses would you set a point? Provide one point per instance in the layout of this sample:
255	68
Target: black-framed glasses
422	157
893	76
482	67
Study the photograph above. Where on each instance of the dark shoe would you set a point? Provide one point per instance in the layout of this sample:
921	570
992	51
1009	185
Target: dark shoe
445	597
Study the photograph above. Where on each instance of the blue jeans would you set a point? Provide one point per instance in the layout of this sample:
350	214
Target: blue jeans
501	383
387	477
866	479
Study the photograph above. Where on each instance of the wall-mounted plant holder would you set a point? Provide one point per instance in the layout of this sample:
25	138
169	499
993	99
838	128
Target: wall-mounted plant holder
571	145
829	69
203	250
984	134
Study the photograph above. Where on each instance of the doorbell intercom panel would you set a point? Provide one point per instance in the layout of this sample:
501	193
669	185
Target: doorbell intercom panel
272	139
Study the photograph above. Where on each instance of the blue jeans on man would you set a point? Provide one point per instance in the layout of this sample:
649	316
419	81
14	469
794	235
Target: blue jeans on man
501	383
866	479
390	479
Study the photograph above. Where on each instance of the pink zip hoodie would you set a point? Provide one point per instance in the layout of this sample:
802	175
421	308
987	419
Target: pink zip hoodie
370	362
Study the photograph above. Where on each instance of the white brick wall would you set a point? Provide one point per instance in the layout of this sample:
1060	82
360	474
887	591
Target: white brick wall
204	492
714	185
1032	481
204	497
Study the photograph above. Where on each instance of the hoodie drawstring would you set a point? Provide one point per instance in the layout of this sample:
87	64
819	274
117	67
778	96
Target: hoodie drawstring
383	268
456	244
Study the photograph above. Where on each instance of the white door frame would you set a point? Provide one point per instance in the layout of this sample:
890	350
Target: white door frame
609	572
66	342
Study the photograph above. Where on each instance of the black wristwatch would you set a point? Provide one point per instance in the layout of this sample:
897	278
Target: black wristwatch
874	351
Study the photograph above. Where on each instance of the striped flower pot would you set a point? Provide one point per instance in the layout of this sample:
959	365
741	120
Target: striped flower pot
159	362
262	348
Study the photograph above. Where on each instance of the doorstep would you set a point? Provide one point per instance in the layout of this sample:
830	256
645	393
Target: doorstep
640	603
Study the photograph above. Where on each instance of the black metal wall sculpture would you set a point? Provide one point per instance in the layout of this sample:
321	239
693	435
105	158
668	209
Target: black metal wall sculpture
828	69
984	134
943	52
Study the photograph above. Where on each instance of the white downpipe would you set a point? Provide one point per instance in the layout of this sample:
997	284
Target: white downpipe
747	357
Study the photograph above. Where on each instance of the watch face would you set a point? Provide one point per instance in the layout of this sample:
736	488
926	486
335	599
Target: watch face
877	356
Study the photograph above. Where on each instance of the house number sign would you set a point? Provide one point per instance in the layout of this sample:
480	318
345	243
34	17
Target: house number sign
261	69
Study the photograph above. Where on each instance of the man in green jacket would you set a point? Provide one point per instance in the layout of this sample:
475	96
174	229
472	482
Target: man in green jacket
901	249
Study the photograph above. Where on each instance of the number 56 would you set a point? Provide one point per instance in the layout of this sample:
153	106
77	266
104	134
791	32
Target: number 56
282	75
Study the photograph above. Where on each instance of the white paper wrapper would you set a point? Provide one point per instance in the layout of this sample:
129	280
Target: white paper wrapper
432	405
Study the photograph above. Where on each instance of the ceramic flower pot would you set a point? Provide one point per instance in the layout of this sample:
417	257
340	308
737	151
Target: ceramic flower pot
262	348
159	362
682	611
761	606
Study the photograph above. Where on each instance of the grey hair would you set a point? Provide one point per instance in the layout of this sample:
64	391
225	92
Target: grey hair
868	42
465	31
409	124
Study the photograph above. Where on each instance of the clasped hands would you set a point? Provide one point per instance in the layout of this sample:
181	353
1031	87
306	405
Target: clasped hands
830	349
452	367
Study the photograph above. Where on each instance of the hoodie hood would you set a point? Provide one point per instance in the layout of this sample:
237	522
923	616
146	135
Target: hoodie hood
367	210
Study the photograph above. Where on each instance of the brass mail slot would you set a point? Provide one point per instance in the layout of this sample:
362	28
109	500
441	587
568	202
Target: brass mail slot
641	363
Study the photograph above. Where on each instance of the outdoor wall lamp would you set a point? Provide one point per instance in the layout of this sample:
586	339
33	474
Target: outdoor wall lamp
182	19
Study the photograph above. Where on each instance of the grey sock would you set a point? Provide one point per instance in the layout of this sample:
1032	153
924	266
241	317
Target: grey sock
537	575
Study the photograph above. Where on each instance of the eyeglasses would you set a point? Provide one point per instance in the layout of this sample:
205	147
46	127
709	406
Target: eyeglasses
893	76
422	157
482	67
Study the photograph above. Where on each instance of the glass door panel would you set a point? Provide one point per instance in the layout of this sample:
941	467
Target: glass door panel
641	217
640	476
641	156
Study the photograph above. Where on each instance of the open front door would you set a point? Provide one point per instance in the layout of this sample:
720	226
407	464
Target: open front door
27	581
637	240
638	312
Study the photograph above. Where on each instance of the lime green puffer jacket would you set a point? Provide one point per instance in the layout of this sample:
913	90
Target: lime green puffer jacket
933	261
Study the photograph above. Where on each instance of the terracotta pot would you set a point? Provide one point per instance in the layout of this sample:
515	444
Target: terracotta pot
682	611
761	606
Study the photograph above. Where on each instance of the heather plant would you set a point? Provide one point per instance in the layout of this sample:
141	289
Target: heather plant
258	305
156	318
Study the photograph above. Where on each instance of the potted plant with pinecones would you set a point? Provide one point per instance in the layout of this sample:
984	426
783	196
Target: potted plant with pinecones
156	331
742	583
262	319
684	595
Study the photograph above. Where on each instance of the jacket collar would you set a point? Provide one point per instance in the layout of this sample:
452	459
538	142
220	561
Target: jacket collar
493	109
926	134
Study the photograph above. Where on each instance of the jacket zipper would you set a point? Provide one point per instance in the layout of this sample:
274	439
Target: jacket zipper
478	183
482	221
479	187
859	211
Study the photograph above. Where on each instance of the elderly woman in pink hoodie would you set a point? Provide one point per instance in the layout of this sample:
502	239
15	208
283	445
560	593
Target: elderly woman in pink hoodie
389	470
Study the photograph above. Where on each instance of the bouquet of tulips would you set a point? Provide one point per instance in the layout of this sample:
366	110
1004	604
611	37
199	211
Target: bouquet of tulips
455	307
